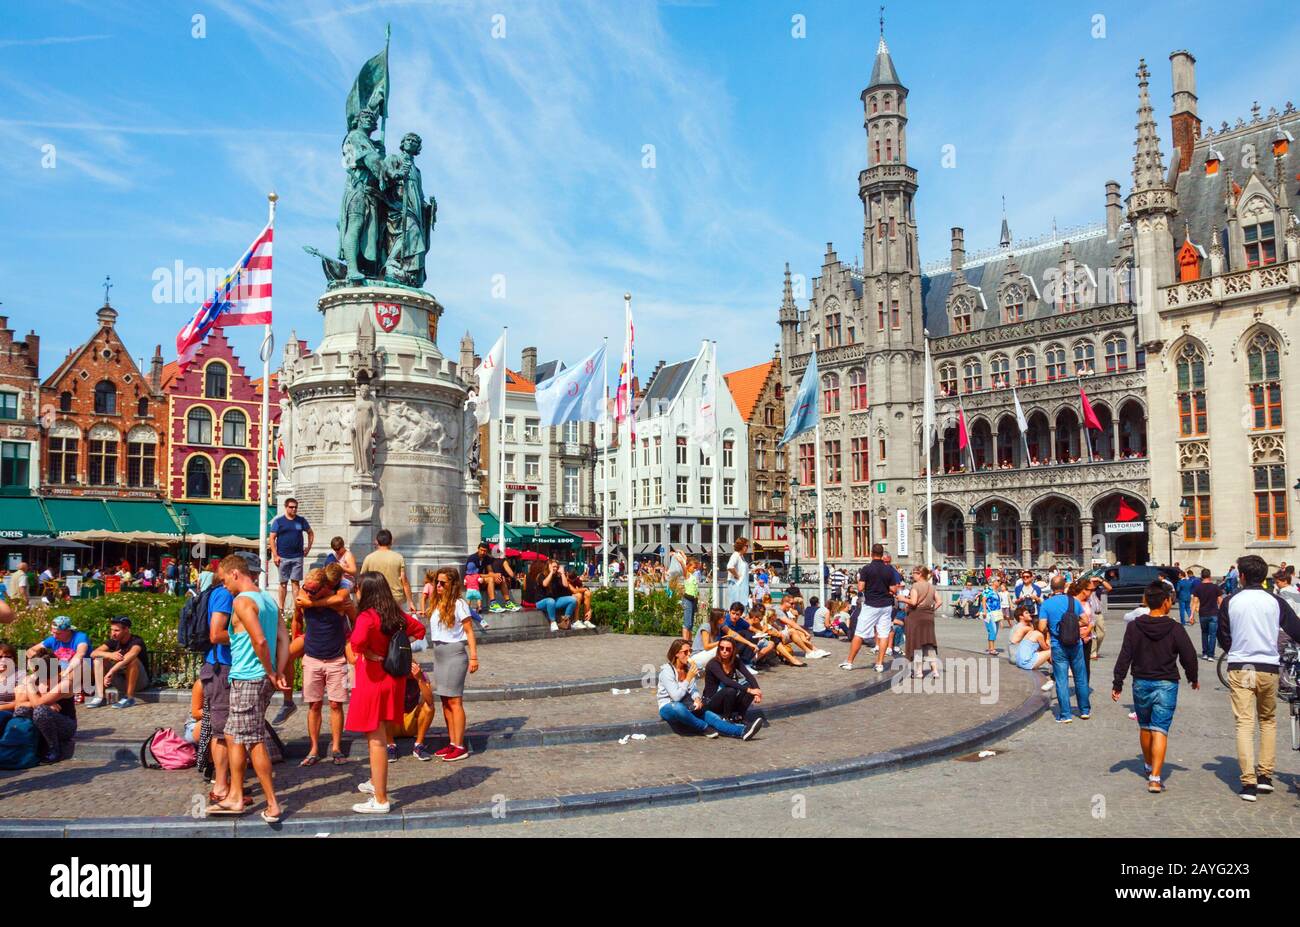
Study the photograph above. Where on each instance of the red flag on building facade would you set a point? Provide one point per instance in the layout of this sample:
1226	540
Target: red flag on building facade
1089	416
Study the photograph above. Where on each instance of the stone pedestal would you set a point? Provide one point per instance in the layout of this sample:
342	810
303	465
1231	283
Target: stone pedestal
418	487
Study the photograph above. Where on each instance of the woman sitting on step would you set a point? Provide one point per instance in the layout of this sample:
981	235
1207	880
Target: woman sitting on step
545	588
679	701
47	699
730	689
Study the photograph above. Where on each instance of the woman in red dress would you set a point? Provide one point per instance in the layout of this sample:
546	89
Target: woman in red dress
377	698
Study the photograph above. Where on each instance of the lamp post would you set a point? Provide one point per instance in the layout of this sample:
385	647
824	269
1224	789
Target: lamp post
985	532
792	528
778	505
1171	526
183	518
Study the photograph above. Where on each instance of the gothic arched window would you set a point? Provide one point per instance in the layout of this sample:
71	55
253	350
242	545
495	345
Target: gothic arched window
1264	380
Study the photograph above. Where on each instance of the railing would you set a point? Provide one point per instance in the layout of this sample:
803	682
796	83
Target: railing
1095	472
1216	289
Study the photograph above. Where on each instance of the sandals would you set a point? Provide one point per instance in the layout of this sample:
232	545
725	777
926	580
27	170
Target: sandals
222	810
1155	786
273	818
311	759
338	758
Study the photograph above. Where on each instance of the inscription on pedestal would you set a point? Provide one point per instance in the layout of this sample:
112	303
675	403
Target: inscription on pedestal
430	513
311	503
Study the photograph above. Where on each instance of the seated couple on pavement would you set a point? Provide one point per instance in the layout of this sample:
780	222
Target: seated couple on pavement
492	574
550	589
729	692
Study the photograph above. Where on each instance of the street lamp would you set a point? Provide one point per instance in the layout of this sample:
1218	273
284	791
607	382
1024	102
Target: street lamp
985	532
793	524
183	519
1170	526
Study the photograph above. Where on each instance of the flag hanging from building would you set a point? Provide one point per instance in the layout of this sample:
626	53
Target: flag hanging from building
491	373
1125	512
927	430
626	374
805	414
573	394
706	413
963	435
1020	413
244	298
1089	416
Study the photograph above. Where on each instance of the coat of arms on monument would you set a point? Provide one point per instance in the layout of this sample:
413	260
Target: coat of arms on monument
387	315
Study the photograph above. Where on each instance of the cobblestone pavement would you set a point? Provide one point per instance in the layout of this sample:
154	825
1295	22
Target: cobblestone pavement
1081	779
884	721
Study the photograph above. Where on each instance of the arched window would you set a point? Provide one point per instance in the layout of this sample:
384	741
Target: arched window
1264	381
972	375
1084	357
831	393
105	398
198	426
1054	357
875	105
65	401
833	320
1026	368
198	478
142	407
947	379
1116	353
1013	305
1000	372
232	479
234	429
963	313
1192	417
857	388
214	380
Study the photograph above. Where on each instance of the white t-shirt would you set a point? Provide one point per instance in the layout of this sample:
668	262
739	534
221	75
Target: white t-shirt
442	634
819	618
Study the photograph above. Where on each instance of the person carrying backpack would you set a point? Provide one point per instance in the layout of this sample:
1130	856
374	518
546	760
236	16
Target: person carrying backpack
1063	616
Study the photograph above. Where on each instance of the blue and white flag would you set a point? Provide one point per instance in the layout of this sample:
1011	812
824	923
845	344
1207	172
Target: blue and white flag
575	394
805	414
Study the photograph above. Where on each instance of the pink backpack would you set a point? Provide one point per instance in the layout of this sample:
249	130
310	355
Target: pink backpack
166	750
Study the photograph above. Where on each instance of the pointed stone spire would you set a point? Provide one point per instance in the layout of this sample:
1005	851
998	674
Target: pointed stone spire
883	73
1148	162
787	293
1004	240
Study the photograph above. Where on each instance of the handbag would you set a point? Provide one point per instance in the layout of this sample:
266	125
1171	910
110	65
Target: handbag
397	660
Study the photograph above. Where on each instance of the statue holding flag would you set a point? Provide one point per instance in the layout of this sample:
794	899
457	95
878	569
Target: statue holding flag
361	218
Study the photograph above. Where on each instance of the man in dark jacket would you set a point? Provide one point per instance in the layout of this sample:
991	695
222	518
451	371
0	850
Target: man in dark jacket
1154	645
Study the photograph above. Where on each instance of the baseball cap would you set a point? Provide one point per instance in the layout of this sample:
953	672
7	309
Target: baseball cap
61	623
254	562
122	620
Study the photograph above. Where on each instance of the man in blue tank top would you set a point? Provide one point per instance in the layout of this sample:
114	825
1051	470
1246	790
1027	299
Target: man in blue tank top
259	653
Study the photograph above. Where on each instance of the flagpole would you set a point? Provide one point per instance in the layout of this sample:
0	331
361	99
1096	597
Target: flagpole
1087	436
631	458
717	484
604	496
265	431
501	448
821	514
928	440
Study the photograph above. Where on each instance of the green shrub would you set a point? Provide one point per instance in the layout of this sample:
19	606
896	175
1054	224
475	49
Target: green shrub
656	613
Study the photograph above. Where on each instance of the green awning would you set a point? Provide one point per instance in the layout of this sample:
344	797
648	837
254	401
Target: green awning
221	519
526	534
22	518
492	529
151	517
74	515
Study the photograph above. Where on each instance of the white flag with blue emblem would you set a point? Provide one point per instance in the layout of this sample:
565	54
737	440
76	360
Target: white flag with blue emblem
804	415
575	394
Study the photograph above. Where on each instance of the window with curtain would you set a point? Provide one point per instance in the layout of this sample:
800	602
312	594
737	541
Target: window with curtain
198	426
234	429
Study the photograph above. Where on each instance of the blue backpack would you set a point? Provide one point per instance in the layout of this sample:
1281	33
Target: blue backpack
19	745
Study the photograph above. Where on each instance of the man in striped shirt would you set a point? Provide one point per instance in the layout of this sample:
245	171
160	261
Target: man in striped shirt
839	580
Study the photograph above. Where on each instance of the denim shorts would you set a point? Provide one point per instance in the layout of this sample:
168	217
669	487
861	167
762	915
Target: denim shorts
1154	700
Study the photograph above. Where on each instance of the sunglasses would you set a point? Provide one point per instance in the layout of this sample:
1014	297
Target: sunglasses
441	582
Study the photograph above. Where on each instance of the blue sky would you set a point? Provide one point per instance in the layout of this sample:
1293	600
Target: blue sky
165	144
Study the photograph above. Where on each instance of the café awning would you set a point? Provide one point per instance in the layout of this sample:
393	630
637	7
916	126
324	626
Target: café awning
525	534
219	520
22	517
74	516
149	518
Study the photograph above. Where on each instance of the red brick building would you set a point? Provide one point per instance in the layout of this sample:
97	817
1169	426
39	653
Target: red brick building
101	415
20	436
214	415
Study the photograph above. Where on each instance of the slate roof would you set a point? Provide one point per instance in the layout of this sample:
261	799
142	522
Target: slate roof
882	72
664	387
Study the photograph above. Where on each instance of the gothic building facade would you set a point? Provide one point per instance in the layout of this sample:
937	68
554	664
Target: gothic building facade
1128	312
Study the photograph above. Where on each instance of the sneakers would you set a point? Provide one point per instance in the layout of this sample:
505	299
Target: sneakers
846	665
455	753
1047	686
1064	720
284	714
96	702
753	727
495	608
440	754
1263	784
512	606
483	625
366	788
392	753
421	753
880	667
124	702
1084	717
1132	715
554	627
370	806
712	734
1248	793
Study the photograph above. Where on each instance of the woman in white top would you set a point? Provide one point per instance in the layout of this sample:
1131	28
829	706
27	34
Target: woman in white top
738	575
455	652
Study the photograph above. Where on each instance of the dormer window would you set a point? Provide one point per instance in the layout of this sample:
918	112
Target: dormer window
962	315
1261	244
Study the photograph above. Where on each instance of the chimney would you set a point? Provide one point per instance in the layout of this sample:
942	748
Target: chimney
528	365
958	250
1186	123
467	357
156	368
1114	211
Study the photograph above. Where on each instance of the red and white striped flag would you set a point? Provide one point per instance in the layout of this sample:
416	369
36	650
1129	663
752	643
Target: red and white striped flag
244	298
